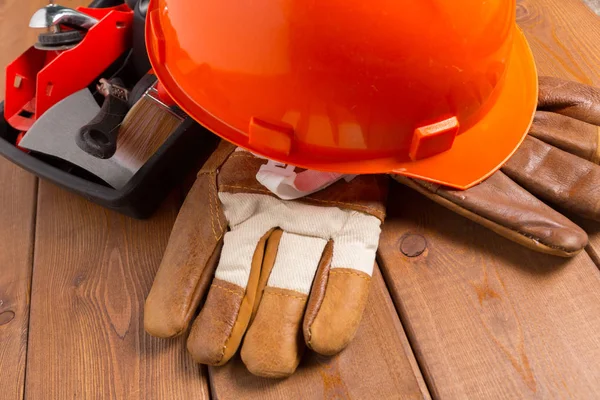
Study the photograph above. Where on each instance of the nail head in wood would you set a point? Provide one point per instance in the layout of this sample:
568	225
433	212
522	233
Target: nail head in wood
413	245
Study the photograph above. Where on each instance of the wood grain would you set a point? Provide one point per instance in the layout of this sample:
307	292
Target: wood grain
378	364
486	317
92	272
563	35
565	38
17	216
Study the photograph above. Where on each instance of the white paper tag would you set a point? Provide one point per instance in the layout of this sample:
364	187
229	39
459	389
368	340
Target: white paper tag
283	181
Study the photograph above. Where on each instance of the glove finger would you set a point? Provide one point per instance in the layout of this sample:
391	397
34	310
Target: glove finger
503	206
557	177
569	98
341	287
273	345
267	267
568	134
217	332
191	256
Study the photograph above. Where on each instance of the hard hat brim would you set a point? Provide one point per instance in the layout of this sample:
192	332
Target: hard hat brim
481	150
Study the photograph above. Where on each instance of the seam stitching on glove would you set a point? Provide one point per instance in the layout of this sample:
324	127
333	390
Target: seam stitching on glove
216	202
247	188
241	154
596	156
231	331
212	214
212	197
335	203
284	295
350	205
333	271
227	290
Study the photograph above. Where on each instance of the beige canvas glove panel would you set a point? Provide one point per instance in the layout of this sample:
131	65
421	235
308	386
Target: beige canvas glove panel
556	164
276	275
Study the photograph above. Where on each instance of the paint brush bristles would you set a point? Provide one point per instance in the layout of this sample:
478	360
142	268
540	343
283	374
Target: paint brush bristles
143	131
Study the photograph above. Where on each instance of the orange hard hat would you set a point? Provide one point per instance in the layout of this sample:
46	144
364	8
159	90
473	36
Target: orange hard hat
439	90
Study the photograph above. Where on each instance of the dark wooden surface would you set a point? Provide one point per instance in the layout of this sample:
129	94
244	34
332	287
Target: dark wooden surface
93	270
17	216
484	317
16	244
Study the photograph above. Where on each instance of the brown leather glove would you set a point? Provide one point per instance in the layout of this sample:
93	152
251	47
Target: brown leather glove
285	273
556	163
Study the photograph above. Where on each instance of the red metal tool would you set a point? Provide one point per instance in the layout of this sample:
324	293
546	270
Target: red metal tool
38	79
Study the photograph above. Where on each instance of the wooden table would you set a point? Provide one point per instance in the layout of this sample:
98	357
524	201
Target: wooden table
475	316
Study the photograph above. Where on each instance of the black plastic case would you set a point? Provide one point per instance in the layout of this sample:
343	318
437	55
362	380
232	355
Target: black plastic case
183	151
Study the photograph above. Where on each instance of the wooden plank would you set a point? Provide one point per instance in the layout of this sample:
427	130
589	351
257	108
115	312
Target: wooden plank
378	364
486	317
563	35
93	270
565	38
17	216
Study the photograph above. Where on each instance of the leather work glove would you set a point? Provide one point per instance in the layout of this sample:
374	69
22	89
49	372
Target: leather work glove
285	274
556	163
